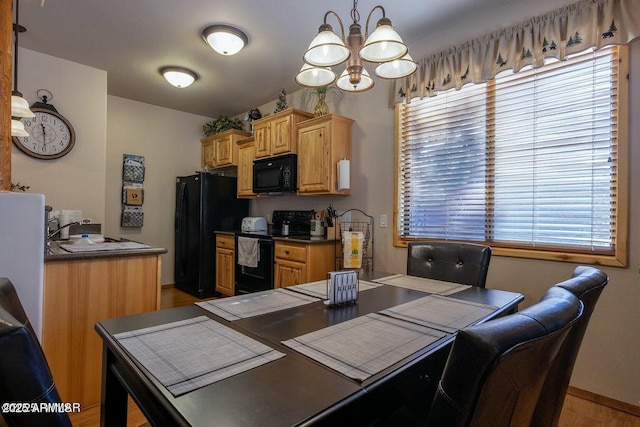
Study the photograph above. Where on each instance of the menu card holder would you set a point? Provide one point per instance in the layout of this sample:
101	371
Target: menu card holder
342	287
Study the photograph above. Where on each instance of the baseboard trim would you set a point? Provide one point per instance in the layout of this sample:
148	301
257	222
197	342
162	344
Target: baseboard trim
170	285
605	401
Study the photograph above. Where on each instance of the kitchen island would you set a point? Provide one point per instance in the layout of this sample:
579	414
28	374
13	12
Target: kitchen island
80	289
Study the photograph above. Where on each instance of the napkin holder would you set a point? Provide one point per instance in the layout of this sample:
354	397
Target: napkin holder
342	287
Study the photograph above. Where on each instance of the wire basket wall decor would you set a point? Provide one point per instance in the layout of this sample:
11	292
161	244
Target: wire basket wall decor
356	221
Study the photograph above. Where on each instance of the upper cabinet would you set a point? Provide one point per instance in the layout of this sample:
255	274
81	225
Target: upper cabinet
322	142
275	134
246	155
207	153
221	149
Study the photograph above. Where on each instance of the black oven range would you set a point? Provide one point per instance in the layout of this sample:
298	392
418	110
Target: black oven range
255	250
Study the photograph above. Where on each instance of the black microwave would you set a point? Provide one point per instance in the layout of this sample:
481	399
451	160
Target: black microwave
275	174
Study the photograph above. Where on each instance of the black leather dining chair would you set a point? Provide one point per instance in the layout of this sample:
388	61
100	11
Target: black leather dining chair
24	373
496	370
463	263
587	284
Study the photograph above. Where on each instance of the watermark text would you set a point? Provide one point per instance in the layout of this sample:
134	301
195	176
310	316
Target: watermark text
39	407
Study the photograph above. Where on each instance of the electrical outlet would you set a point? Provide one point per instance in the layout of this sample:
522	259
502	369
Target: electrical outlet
383	221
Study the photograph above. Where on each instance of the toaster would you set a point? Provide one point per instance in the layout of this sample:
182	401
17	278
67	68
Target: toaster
253	223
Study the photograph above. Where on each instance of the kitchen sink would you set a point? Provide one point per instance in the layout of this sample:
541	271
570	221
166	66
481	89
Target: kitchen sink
55	247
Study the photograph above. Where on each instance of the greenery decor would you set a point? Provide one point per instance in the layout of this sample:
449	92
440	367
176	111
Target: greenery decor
282	102
17	187
221	124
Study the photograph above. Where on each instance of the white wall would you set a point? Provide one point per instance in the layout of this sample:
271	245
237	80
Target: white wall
77	180
169	140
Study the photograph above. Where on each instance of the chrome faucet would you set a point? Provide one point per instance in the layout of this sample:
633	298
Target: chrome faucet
62	228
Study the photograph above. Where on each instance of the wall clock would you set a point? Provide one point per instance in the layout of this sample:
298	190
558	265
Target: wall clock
51	135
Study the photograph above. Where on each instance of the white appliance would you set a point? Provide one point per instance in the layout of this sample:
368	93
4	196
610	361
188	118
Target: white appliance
252	224
22	250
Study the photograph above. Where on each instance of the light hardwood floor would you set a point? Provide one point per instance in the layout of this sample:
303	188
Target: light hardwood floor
581	409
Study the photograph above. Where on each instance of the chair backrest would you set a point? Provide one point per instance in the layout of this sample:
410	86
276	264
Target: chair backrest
464	263
10	301
587	284
24	372
496	370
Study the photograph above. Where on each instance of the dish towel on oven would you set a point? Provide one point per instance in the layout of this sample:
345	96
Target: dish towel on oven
352	248
248	254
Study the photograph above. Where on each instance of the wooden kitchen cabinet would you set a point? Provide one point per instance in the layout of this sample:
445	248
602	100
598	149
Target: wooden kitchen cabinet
298	262
246	155
322	142
275	134
221	149
225	264
77	294
207	154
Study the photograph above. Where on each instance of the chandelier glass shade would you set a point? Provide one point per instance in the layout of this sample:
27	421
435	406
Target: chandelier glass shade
326	49
397	68
348	84
384	46
20	106
17	128
311	76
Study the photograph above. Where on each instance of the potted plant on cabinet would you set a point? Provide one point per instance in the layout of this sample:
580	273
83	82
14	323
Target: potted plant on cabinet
221	124
319	95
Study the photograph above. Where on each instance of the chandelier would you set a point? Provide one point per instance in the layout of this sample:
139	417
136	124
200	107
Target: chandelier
383	47
19	105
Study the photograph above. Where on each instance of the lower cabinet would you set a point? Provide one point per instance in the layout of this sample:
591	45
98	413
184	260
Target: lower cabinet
298	262
225	264
78	294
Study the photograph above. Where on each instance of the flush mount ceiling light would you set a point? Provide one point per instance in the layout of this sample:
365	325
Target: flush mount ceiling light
178	76
225	39
384	46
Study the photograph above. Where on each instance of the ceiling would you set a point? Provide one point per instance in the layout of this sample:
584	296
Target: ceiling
132	39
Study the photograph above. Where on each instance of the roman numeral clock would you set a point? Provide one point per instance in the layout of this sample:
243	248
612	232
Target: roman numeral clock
51	135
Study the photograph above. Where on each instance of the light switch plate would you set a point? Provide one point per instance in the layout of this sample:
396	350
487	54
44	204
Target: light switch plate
383	221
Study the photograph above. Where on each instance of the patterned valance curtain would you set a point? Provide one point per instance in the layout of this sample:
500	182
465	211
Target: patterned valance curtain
571	29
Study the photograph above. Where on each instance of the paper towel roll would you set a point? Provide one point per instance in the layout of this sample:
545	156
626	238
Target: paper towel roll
344	175
65	218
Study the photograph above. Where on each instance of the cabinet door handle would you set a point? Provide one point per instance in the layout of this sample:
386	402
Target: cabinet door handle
286	252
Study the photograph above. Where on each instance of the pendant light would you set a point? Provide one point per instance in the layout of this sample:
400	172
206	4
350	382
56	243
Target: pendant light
19	105
384	46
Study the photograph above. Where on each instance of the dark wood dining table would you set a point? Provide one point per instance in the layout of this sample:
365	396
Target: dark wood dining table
293	390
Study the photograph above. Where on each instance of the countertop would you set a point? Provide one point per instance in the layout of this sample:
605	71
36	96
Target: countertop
56	253
293	239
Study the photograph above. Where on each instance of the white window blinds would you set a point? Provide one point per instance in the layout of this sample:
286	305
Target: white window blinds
528	160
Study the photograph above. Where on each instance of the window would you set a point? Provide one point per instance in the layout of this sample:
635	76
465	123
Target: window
532	163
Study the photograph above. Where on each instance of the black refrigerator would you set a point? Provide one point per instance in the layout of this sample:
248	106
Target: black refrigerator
204	203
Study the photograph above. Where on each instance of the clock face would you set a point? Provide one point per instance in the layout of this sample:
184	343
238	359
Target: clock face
50	135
